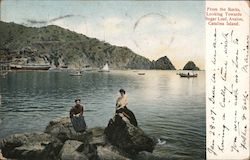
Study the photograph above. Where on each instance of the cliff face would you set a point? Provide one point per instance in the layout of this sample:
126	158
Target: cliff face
57	46
190	66
163	63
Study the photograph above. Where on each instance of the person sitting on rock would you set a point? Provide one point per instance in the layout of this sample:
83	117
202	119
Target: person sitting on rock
121	101
76	116
122	110
77	109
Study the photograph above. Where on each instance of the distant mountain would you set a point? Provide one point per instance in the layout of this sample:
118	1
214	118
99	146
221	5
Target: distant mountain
163	63
61	47
190	66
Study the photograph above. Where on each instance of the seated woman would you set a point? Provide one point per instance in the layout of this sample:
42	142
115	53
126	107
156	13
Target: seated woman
121	101
122	110
77	118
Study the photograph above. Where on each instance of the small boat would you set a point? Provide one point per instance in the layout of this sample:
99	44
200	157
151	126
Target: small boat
105	68
65	66
141	74
78	73
187	75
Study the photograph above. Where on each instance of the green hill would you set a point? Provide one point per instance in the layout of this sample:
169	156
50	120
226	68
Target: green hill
61	47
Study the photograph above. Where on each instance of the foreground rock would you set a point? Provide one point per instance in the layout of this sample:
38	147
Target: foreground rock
110	152
150	156
63	130
31	146
73	149
127	137
119	141
70	151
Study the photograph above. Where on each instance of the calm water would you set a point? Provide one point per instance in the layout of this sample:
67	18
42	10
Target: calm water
166	106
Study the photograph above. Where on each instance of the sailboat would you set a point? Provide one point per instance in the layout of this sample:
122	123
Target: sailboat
105	68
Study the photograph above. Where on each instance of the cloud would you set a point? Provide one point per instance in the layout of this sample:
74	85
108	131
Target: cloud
145	17
114	26
32	22
177	23
65	16
161	21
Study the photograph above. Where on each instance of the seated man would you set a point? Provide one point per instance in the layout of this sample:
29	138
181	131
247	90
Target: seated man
76	117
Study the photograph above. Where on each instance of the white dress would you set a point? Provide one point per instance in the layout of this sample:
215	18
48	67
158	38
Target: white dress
121	102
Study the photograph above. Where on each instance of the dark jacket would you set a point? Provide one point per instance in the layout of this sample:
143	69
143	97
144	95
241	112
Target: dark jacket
76	110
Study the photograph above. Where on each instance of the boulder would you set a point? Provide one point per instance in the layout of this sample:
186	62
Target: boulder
76	145
149	156
109	152
63	129
70	151
30	146
96	136
82	148
127	137
120	140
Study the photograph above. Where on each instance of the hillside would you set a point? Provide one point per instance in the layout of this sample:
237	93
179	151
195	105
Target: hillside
61	47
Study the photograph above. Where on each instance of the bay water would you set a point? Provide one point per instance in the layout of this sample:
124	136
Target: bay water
167	107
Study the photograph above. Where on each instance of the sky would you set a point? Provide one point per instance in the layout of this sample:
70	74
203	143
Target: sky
153	29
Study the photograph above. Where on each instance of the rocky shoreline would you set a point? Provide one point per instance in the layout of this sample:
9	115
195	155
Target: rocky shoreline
120	140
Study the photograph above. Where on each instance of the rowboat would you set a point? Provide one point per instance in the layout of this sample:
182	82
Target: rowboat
141	74
187	75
